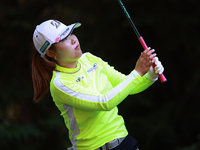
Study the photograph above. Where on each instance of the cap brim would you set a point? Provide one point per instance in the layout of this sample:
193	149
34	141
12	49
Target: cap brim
69	29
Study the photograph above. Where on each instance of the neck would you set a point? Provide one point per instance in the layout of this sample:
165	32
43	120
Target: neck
69	65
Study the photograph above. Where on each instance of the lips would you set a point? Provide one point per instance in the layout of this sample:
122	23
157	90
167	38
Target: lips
77	47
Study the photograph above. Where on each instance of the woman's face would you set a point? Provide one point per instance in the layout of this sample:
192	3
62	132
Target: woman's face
68	51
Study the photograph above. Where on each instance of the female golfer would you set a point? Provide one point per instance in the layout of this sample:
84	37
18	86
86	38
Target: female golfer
85	88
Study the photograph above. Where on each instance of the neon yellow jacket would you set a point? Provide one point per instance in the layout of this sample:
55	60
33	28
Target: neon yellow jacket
87	97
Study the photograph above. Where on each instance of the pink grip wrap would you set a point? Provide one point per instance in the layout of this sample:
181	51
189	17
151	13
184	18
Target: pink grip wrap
144	45
161	76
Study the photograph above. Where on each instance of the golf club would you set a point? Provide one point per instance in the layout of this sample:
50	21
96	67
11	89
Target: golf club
161	76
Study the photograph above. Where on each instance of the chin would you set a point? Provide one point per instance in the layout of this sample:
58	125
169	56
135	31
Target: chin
80	53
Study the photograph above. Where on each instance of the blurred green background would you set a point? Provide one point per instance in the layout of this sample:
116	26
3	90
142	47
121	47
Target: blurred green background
165	116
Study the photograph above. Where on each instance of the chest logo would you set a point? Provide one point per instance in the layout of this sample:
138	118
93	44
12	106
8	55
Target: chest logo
94	67
79	79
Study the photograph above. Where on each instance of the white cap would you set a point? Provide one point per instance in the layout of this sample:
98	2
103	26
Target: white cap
50	32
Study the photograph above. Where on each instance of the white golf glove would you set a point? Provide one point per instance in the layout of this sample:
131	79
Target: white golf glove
152	73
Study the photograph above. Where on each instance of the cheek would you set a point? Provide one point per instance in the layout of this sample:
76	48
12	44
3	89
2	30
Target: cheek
63	46
63	50
61	54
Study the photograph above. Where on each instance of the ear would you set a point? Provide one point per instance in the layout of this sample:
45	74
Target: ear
50	53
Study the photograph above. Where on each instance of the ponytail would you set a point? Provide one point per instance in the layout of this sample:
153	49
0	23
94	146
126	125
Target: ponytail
42	70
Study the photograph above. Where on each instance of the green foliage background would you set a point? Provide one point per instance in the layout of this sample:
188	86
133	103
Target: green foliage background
166	116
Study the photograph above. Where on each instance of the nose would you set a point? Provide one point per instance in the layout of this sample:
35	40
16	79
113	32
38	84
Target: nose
73	39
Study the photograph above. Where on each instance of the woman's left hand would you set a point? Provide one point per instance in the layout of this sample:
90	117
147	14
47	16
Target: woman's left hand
152	74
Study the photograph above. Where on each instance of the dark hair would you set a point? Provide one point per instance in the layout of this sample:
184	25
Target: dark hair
42	69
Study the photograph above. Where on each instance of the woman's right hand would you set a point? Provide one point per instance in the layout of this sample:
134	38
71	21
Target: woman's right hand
145	61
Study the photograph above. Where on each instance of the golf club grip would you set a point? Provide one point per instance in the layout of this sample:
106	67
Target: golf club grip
161	76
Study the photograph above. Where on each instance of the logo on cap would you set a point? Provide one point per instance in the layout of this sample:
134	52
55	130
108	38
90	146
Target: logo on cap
55	23
63	34
44	46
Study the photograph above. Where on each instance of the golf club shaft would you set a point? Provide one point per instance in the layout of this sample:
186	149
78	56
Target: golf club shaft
161	76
